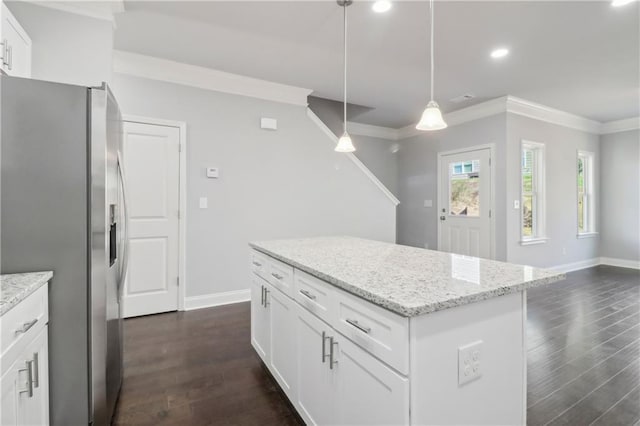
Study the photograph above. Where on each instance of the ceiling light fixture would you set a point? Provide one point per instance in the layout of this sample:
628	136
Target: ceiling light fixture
381	6
499	53
431	117
618	3
344	143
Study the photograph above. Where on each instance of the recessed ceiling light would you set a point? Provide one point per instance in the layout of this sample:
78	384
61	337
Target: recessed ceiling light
618	3
499	53
381	6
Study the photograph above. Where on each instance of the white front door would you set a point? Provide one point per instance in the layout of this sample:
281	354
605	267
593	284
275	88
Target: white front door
464	203
152	171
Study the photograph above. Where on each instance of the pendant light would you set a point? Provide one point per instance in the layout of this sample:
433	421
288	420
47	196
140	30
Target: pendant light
431	117
344	143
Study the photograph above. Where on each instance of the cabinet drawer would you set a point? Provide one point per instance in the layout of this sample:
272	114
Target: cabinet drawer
376	330
259	264
314	294
21	324
281	276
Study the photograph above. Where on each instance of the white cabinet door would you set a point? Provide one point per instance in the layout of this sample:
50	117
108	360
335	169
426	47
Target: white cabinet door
368	392
283	340
11	405
316	381
16	46
260	328
38	354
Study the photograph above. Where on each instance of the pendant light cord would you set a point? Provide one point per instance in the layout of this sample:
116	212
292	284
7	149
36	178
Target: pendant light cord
345	67
432	64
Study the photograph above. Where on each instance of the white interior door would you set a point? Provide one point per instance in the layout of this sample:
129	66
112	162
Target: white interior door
152	171
464	203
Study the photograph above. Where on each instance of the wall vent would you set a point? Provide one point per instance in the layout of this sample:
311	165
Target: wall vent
463	98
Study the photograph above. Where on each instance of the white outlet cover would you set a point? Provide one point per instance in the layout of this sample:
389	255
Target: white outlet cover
213	172
428	203
204	202
268	123
469	362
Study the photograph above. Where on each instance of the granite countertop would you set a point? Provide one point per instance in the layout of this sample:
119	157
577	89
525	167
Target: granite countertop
406	280
14	288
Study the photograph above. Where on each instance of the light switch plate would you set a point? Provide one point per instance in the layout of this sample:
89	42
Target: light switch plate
428	203
213	172
469	362
204	202
516	204
268	123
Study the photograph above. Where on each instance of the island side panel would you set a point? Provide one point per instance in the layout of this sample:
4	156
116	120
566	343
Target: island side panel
498	396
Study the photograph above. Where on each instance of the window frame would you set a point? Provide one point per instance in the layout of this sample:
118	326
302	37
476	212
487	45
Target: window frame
538	193
588	195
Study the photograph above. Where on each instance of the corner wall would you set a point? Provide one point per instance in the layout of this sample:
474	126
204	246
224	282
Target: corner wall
620	199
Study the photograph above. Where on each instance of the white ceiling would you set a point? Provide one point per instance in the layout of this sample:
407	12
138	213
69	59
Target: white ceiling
580	57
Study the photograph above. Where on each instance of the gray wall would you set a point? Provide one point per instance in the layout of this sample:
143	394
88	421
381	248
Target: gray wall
66	48
620	185
417	165
284	184
561	147
375	153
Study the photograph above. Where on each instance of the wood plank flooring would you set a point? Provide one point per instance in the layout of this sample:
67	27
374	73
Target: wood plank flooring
198	367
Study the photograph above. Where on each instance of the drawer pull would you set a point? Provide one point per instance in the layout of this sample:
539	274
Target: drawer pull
29	383
36	370
256	263
332	361
276	276
266	297
324	346
26	326
309	295
359	326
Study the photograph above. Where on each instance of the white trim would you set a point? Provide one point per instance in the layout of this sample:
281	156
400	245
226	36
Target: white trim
333	138
182	220
621	263
620	125
533	241
206	78
586	235
551	115
103	10
373	131
492	220
576	266
217	299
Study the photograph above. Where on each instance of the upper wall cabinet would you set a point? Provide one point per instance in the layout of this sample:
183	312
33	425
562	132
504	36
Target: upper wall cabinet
15	49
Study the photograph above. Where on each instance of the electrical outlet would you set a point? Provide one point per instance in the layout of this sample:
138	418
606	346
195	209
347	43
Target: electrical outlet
469	362
516	204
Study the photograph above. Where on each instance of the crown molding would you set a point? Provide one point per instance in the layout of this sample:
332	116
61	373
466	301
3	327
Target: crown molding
620	125
373	131
104	10
551	115
206	78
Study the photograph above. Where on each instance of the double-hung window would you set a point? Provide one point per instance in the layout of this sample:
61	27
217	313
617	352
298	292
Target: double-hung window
586	202
533	193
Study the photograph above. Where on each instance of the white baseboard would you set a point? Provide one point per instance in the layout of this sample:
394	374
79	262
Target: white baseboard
216	299
622	263
576	266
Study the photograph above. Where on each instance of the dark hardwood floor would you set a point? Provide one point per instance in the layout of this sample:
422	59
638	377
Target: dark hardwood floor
198	367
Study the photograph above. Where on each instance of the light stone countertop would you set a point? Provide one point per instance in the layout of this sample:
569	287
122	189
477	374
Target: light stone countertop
406	280
14	288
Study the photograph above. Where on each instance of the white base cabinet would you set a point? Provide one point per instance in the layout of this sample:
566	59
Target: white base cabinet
24	384
342	360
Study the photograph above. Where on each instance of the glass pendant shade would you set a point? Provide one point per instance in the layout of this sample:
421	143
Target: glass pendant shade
345	144
431	118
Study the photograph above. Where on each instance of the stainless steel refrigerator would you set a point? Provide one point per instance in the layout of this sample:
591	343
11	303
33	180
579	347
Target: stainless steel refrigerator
63	208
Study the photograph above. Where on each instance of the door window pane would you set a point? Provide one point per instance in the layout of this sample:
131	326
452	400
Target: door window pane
464	189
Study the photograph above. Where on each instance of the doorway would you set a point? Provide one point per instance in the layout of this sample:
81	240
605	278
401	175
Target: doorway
465	202
153	160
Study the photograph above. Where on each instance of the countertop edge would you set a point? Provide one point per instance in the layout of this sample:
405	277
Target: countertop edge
27	291
413	311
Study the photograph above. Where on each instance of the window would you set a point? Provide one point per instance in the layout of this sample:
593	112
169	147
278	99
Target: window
532	190
586	210
464	189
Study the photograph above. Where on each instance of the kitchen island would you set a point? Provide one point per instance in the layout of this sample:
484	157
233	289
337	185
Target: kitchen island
364	332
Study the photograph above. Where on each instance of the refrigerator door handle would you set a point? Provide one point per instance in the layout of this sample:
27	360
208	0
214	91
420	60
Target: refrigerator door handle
125	253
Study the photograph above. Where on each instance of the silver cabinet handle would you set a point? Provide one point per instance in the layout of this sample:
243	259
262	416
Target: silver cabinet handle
324	346
36	370
276	276
309	295
29	389
332	344
359	326
26	326
256	263
262	295
266	297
